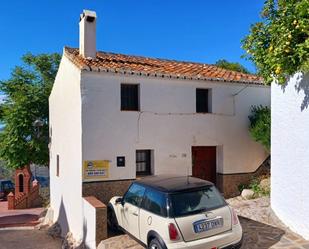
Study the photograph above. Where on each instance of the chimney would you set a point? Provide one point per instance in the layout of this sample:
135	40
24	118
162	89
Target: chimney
87	34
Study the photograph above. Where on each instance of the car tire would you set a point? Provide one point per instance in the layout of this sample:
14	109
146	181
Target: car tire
155	244
112	219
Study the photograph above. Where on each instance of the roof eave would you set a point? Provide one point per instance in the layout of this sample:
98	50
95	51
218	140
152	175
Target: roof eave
169	76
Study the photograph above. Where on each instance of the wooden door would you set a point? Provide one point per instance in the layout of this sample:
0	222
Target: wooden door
204	162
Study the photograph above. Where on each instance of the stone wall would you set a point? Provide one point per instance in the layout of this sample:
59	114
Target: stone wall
105	190
228	183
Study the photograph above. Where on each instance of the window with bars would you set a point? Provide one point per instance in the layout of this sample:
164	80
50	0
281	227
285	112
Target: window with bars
143	162
203	100
129	97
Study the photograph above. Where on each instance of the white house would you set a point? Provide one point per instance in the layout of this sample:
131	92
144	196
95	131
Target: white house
115	117
290	153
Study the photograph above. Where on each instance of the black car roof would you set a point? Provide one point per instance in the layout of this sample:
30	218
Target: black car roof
172	183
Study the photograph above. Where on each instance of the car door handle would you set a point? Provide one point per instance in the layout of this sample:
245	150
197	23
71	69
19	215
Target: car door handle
135	213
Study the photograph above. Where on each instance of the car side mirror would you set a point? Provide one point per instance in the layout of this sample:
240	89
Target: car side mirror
119	201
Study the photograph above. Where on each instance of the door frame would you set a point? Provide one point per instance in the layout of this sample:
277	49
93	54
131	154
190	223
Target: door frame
217	158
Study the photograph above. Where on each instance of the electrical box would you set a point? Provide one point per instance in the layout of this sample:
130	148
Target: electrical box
121	161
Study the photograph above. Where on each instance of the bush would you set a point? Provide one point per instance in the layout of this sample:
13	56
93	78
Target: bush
257	188
260	125
241	187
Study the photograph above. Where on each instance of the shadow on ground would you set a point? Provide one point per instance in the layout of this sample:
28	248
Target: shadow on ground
111	233
259	235
27	239
12	220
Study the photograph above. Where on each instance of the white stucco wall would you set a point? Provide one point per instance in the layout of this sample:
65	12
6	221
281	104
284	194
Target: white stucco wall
66	130
290	153
168	124
89	225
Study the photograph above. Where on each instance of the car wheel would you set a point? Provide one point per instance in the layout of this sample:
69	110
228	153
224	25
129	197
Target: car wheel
155	244
112	219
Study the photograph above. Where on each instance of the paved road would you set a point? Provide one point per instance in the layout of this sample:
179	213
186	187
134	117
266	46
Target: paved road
262	230
257	235
27	239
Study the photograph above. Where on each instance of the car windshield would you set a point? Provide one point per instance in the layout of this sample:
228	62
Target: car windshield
196	201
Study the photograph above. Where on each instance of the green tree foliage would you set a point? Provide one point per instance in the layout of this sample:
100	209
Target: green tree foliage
234	66
260	125
279	44
26	99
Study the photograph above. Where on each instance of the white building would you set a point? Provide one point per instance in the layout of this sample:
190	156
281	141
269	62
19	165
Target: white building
290	153
117	117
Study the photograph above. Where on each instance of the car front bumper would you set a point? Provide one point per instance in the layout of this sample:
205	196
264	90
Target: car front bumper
228	240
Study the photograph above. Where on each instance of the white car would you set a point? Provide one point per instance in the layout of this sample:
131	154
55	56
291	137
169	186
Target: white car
176	212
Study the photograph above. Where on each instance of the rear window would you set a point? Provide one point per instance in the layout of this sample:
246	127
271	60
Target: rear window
155	202
197	201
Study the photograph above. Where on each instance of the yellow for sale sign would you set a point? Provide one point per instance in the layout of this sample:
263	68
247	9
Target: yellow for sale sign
96	170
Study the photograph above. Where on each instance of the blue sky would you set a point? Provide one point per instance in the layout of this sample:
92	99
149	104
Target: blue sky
191	30
1	99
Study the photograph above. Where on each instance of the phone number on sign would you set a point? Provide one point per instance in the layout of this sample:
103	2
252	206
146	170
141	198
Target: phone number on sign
96	172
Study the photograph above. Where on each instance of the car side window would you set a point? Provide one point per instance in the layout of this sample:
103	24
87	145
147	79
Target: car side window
155	202
134	195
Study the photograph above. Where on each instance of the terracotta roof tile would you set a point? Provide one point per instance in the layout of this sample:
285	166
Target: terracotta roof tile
119	63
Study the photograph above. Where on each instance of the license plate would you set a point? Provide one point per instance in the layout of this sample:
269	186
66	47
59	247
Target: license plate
206	225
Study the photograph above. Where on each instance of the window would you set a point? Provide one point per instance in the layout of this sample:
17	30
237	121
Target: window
21	182
134	195
57	170
155	202
129	97
143	162
197	201
203	100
